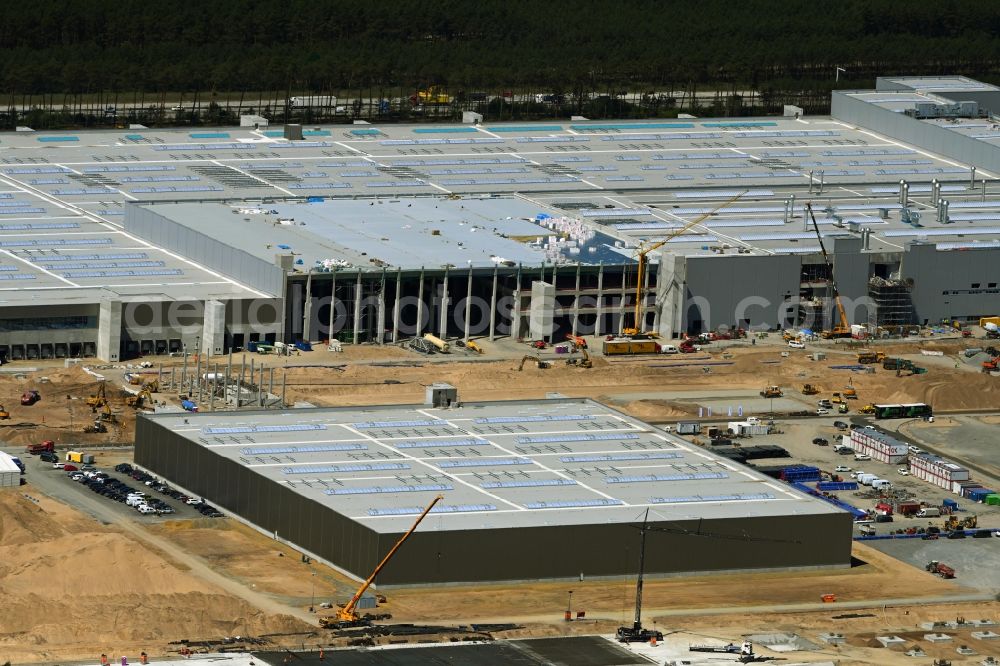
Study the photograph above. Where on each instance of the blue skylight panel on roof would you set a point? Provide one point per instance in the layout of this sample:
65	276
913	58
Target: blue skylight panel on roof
527	483
582	437
533	419
309	448
483	462
373	490
367	425
621	457
434	443
339	469
570	504
230	430
655	478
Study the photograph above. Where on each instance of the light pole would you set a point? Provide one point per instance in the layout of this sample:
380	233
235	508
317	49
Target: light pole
569	607
312	603
839	70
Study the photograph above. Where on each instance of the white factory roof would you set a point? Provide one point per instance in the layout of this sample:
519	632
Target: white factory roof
501	464
7	464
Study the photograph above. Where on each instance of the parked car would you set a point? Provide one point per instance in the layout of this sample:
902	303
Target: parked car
840	425
821	441
842	468
796	344
903	471
862	456
822	411
59	465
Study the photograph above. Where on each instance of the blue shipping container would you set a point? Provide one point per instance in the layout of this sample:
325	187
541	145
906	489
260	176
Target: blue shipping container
827	486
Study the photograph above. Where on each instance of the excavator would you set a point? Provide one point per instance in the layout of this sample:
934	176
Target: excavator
583	362
347	616
953	523
843	328
97	400
542	365
473	347
643	261
991	365
138	401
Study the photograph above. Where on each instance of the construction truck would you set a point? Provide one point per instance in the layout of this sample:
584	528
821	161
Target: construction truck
347	616
431	96
868	356
542	365
837	399
940	569
842	408
867	409
4	414
771	392
438	343
990	366
577	340
28	398
809	389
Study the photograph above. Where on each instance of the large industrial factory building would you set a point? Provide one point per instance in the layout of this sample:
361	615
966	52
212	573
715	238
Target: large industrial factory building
123	243
551	489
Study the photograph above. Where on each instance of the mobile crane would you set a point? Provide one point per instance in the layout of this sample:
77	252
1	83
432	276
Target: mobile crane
842	329
636	633
347	616
643	262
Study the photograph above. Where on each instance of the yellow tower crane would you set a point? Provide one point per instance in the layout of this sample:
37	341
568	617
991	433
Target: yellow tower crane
643	262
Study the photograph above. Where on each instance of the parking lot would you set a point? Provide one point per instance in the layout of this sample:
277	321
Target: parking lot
976	561
105	493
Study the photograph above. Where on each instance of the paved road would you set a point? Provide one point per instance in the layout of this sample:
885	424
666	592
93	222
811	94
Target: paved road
57	486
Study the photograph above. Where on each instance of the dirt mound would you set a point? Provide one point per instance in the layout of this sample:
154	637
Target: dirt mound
72	588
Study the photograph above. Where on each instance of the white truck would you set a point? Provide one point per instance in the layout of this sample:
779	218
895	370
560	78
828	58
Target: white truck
313	101
929	512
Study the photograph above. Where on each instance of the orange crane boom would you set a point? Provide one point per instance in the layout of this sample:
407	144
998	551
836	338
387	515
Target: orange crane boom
643	262
346	614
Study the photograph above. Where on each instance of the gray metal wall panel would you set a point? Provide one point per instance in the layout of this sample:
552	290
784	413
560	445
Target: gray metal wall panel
935	272
851	270
204	249
739	287
915	132
489	555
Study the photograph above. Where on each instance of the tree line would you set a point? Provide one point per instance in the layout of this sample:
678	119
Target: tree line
73	47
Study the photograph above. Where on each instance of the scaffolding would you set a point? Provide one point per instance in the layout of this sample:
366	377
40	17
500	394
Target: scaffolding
892	304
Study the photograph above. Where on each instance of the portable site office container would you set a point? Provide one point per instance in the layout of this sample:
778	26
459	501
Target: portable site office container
879	446
942	473
10	473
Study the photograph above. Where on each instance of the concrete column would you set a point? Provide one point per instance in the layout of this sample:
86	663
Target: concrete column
395	307
357	309
468	303
380	316
493	302
515	322
443	317
670	293
109	331
213	328
622	307
576	300
657	305
644	300
419	328
333	304
307	308
972	178
599	322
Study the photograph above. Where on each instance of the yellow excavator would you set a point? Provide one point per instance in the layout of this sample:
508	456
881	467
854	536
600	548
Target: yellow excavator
347	616
643	261
97	400
842	329
542	365
138	401
582	362
4	414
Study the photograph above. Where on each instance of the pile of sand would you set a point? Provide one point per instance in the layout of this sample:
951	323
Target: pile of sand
73	589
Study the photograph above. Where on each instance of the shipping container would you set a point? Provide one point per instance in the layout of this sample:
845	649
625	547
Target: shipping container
74	456
879	446
620	346
831	486
938	471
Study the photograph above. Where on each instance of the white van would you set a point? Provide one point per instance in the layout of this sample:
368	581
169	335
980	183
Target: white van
669	349
881	484
929	512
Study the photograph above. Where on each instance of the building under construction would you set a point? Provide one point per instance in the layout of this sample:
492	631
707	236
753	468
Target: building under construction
892	304
550	489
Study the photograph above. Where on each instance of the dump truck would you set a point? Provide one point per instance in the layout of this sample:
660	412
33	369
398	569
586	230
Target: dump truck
44	447
940	569
624	346
438	343
868	356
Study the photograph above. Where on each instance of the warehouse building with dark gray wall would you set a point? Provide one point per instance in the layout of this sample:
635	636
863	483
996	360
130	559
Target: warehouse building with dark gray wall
550	489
